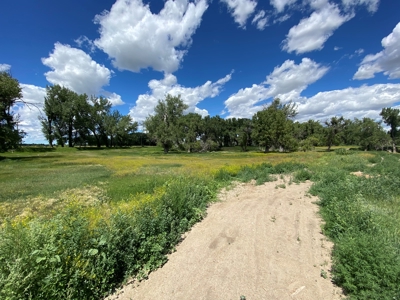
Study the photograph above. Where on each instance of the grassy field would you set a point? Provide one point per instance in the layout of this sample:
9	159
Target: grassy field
76	222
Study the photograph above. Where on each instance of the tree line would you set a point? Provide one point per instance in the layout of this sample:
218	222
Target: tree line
271	129
75	119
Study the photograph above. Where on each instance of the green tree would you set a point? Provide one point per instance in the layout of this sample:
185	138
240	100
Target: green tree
165	125
60	107
192	129
118	128
372	135
273	127
10	94
334	127
243	133
391	117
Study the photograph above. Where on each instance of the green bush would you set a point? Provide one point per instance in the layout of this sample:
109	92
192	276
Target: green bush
362	216
69	258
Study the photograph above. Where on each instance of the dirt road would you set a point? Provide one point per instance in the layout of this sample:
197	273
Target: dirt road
260	242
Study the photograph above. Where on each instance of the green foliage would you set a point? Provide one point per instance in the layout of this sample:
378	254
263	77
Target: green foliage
273	127
391	117
302	175
362	216
67	258
10	94
334	129
165	125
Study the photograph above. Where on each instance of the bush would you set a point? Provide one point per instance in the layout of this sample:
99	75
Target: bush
73	256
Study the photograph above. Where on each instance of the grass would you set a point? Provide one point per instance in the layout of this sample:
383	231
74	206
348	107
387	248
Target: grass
76	222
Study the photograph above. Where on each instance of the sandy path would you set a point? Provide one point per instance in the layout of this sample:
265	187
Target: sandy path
259	242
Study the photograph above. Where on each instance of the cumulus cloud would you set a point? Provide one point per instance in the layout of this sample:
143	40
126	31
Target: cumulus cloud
285	82
386	61
280	5
169	85
260	20
34	95
74	69
135	38
372	5
312	32
4	67
114	98
364	101
241	10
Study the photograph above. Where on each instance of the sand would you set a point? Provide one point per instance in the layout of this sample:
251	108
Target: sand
260	242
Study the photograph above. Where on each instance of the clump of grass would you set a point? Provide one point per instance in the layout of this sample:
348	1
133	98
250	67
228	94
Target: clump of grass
362	217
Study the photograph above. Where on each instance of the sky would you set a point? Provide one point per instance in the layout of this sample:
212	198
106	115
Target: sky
224	57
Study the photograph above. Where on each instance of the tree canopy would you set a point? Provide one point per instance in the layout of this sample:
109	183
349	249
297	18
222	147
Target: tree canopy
10	94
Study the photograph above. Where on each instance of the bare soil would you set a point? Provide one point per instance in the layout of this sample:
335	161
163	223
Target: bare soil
260	242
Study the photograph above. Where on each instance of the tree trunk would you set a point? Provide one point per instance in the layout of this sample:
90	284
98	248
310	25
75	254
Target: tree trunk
70	143
394	148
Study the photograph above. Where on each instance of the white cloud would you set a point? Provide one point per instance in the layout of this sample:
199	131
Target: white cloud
29	113
281	4
386	61
372	5
365	101
4	67
282	18
359	51
260	20
114	98
241	10
169	85
84	41
285	82
135	38
74	69
337	48
312	33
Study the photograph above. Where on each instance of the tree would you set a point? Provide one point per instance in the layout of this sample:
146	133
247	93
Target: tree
391	117
118	128
10	94
334	127
244	133
273	127
60	107
191	126
372	135
164	125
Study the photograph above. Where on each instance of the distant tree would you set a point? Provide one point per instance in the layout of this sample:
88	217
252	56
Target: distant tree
372	135
391	117
334	127
243	133
273	127
119	128
10	94
192	129
60	107
165	125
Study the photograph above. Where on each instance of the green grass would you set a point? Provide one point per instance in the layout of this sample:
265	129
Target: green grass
77	222
32	177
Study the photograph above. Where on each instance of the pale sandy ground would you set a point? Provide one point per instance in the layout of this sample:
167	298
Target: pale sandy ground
260	242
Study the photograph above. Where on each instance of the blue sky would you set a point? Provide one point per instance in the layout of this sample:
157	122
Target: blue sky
225	57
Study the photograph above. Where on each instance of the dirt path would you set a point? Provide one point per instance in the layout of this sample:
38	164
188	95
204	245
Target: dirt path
260	242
